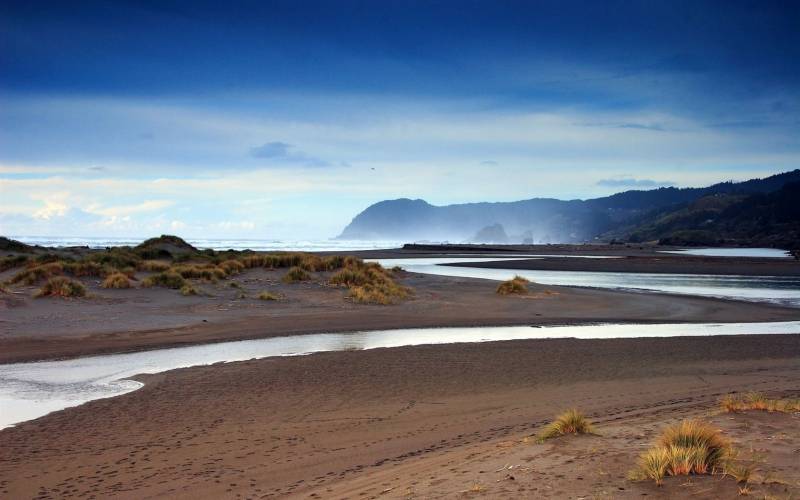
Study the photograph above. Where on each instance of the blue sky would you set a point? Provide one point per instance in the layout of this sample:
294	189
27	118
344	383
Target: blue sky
285	119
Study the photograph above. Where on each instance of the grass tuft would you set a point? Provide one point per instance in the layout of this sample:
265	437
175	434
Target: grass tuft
156	266
33	275
757	401
296	274
267	296
188	289
116	280
12	261
166	279
61	286
688	447
570	422
515	286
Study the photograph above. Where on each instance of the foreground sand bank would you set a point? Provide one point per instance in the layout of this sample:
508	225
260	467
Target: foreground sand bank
418	421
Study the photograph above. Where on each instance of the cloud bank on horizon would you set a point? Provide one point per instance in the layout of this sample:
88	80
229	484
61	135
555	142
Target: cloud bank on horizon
284	119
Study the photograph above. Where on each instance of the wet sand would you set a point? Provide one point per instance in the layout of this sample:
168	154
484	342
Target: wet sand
420	422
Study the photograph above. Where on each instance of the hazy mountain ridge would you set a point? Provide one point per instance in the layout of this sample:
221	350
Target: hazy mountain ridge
548	220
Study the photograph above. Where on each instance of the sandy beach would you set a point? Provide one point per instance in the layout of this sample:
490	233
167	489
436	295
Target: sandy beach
421	422
453	420
136	319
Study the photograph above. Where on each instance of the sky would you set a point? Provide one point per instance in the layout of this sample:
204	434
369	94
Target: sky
284	119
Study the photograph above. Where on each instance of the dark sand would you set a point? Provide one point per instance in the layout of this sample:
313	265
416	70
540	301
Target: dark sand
135	319
418	422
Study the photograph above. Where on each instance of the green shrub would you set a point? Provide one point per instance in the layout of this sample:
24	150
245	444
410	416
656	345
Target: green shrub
61	286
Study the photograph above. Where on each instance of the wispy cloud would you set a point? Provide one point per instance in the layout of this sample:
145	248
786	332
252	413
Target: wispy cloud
286	153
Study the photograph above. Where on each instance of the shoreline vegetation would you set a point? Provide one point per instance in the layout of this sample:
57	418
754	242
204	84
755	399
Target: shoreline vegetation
170	262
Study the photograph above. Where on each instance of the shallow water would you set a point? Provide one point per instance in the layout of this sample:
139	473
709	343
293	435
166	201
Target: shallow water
772	253
783	290
31	390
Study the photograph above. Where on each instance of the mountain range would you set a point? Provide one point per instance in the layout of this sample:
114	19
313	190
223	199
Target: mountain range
754	212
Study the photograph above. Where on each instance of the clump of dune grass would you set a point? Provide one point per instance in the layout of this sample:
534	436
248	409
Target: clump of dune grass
688	447
232	266
37	273
166	279
88	268
188	289
61	286
267	296
116	280
570	422
369	283
208	272
12	261
296	274
157	266
757	401
515	286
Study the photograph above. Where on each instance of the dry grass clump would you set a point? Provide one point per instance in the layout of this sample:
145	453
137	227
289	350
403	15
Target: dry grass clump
757	401
61	286
570	422
688	447
166	279
369	283
34	274
116	280
296	274
188	289
88	268
12	261
156	266
232	267
515	286
208	272
267	296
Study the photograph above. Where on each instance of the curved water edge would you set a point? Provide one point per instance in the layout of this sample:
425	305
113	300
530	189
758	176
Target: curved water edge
768	253
31	390
783	290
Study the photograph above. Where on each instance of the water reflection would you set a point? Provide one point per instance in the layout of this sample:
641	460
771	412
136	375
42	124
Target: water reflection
783	290
30	390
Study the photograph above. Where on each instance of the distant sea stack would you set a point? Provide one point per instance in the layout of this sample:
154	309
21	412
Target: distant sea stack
491	234
728	213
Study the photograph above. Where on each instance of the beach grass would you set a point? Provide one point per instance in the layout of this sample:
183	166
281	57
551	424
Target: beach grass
687	447
188	289
757	401
61	286
166	279
570	422
116	280
12	262
37	273
296	274
267	296
515	286
156	266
